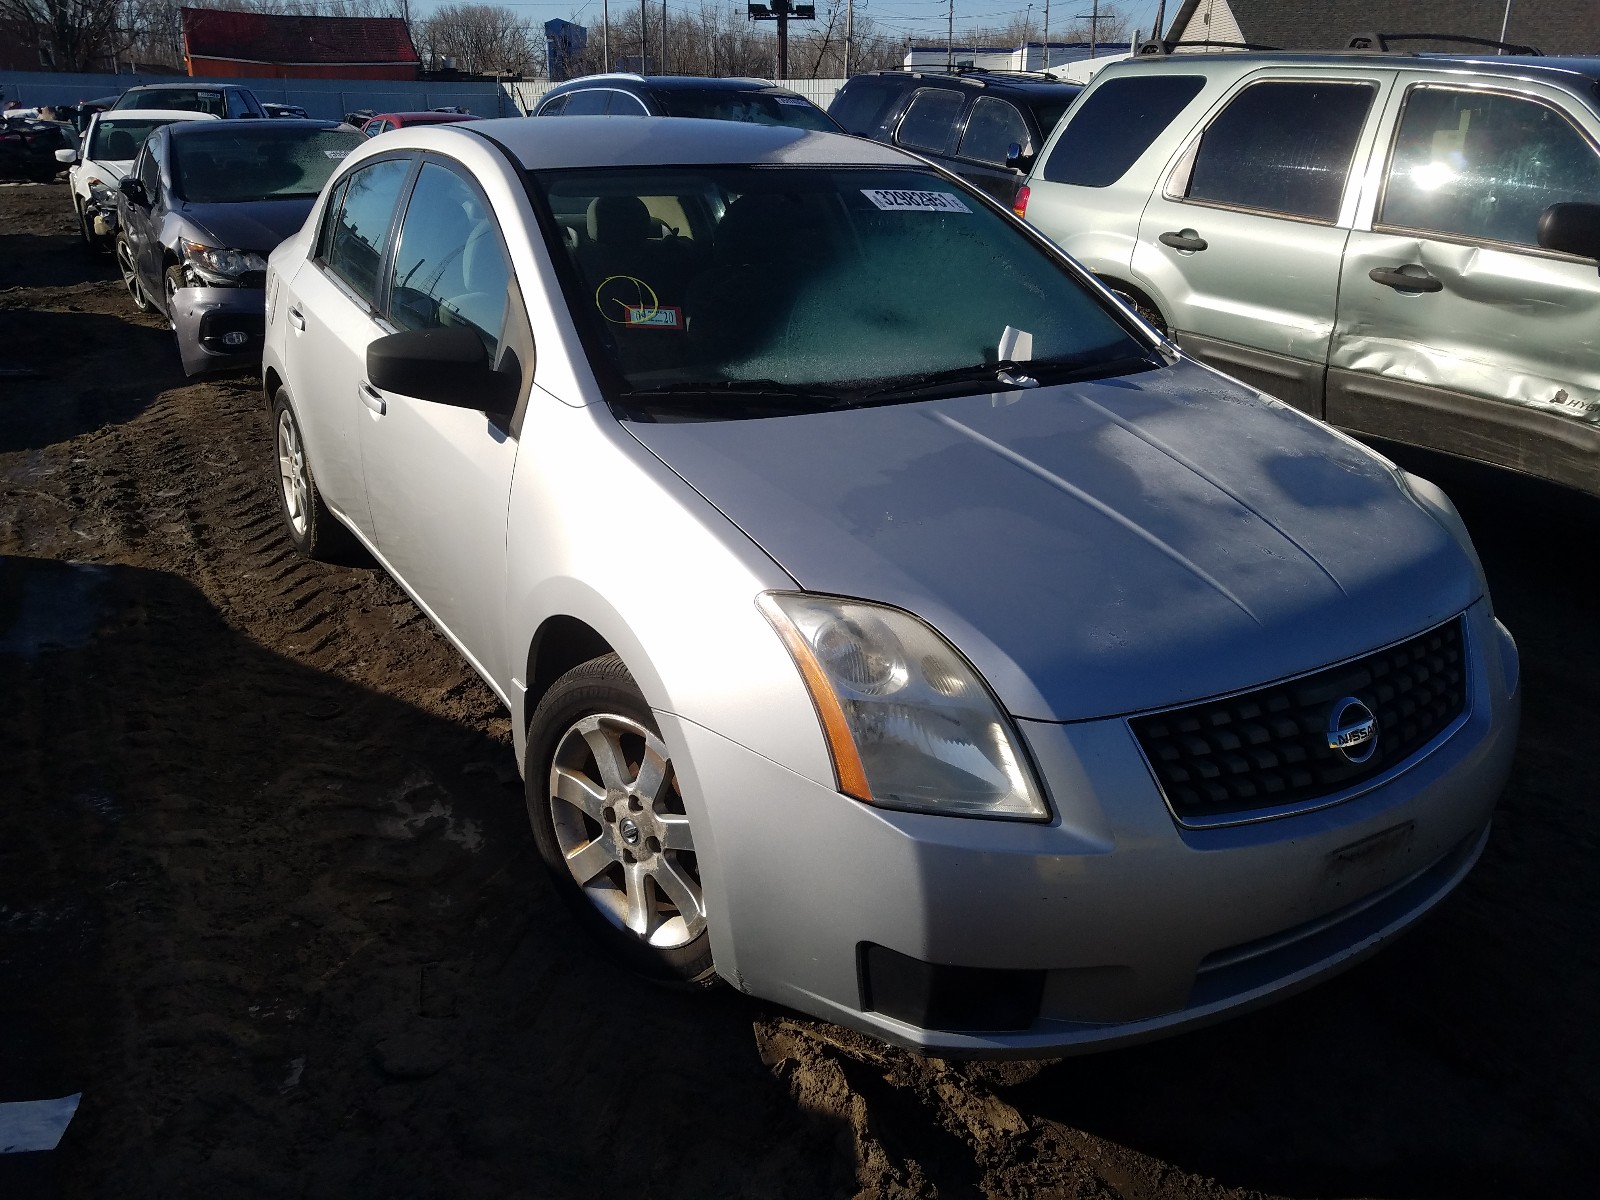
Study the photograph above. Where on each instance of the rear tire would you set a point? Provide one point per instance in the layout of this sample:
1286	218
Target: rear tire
313	530
130	276
609	821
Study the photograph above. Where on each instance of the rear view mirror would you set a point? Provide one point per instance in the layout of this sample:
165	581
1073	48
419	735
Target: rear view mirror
443	366
133	190
1016	159
1571	229
66	156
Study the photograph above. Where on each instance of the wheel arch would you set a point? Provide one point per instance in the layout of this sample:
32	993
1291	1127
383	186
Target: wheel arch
1118	284
560	643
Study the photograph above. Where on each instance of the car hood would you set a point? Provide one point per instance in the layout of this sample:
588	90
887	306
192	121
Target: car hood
1094	548
257	225
112	168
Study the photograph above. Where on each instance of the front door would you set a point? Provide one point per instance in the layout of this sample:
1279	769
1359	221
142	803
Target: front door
439	477
1244	242
1456	330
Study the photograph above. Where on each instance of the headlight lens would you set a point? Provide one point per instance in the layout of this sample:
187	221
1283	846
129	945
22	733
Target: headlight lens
909	722
219	266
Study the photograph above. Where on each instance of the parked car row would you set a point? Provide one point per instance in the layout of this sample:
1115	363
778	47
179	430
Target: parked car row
1008	680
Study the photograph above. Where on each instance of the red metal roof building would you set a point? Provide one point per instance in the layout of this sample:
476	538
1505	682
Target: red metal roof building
222	42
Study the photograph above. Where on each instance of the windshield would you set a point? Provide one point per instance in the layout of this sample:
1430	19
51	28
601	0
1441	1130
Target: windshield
231	164
187	99
840	283
117	139
759	108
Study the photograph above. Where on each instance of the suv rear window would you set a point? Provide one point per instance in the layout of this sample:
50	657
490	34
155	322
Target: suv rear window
1115	125
1283	148
862	102
930	120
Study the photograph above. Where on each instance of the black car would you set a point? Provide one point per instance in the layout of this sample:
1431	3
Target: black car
622	95
204	205
28	148
226	100
969	122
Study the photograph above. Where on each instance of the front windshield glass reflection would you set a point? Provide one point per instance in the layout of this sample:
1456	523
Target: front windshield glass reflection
231	164
837	281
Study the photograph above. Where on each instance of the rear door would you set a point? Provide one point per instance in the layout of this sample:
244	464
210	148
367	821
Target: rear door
993	126
1243	241
331	306
1456	330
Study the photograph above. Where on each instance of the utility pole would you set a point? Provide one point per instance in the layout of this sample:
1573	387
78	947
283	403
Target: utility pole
950	39
605	34
661	67
783	37
1046	35
1094	28
644	42
850	33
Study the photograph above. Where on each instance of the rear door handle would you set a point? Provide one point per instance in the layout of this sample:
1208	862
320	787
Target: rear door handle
1186	239
297	319
1403	280
372	398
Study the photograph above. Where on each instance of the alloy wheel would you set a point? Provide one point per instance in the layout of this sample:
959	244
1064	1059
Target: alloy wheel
292	473
620	823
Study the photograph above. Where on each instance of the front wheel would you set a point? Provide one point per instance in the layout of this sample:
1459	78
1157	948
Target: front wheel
610	824
130	276
1143	308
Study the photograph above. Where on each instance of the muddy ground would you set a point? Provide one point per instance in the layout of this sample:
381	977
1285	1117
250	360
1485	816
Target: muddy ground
269	901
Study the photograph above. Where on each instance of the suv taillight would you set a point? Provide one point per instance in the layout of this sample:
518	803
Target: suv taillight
1020	204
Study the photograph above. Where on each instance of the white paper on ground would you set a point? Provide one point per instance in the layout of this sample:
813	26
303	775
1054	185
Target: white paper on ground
29	1125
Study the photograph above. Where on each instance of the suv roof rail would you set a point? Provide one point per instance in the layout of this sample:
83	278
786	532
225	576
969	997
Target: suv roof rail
1380	42
1154	46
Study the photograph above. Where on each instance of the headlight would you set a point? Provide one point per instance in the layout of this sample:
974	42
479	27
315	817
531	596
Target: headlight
101	195
218	266
907	719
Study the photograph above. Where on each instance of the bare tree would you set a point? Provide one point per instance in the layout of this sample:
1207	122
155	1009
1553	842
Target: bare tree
73	35
481	38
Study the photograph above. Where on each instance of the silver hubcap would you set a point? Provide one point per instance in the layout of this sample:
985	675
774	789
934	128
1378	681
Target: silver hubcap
292	473
125	265
621	826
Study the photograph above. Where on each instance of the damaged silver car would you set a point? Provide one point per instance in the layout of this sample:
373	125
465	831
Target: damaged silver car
204	205
1402	244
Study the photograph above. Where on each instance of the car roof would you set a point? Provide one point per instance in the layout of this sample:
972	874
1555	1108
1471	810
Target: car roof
674	141
423	117
1021	81
186	87
1562	67
190	128
156	114
680	83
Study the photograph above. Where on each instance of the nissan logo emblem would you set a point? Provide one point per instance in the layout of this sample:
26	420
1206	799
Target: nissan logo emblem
1352	730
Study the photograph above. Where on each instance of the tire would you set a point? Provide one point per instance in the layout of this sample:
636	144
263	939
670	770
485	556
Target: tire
130	276
314	531
85	226
620	855
1145	310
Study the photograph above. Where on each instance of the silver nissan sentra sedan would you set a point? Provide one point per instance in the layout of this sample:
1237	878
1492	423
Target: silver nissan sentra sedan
892	624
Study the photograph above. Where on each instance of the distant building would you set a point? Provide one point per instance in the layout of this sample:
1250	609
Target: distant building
218	43
1554	26
565	44
1030	56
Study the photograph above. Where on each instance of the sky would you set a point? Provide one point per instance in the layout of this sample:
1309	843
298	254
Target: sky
924	20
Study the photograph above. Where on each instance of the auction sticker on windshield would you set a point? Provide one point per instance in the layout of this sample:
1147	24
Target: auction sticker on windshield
893	201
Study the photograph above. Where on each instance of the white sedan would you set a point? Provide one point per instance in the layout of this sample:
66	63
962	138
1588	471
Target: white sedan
892	624
109	146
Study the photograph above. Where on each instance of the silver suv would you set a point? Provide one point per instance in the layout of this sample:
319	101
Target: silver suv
1359	235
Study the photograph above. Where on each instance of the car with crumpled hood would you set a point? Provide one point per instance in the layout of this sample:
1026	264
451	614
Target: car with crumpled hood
891	624
203	206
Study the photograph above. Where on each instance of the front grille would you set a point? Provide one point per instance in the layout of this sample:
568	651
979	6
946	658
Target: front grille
1269	748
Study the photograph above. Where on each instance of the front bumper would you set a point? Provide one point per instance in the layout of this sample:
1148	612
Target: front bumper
219	328
1111	923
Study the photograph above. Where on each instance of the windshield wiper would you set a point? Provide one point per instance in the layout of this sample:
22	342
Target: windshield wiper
731	398
1004	375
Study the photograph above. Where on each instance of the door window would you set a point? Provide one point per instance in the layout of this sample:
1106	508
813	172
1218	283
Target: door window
930	121
593	103
1483	166
993	128
450	267
149	174
1282	147
355	245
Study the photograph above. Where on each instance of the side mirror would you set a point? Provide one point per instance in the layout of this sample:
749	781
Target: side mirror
1016	159
66	156
443	366
133	190
1571	229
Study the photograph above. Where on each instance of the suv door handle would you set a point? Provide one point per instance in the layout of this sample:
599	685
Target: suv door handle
1403	280
297	319
1187	240
372	398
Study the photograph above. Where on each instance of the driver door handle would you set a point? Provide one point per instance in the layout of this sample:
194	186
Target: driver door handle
1185	240
372	398
1402	280
297	319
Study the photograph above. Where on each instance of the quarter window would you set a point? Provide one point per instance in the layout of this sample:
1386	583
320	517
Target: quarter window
1484	166
450	266
1282	148
149	173
930	120
593	103
355	247
1115	125
993	128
